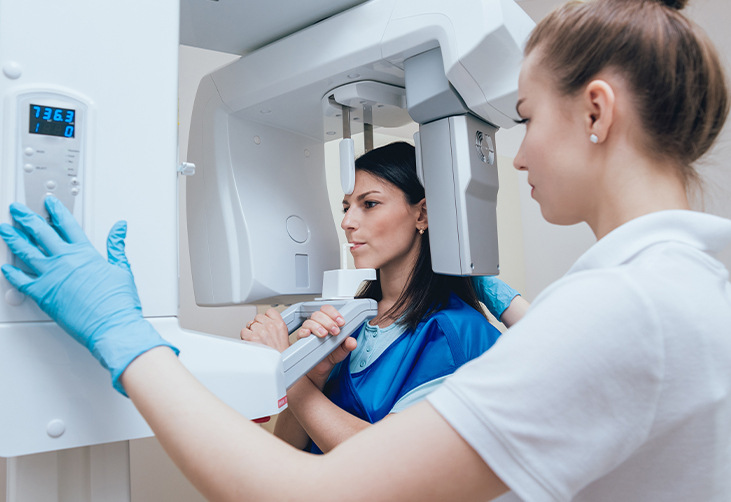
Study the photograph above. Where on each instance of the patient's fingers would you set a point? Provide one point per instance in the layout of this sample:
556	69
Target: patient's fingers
333	314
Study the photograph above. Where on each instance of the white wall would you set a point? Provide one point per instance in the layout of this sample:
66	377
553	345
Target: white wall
714	16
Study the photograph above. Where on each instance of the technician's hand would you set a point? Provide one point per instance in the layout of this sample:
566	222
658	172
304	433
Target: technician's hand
501	300
93	299
494	293
268	329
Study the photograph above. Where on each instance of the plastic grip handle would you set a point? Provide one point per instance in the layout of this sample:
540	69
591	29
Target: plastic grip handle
305	354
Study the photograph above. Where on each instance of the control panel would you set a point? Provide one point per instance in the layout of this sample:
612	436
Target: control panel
50	161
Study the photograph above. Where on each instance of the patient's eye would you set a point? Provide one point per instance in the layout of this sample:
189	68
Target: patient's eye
370	203
345	209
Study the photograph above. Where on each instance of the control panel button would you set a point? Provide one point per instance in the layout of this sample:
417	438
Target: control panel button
28	168
50	184
29	151
74	182
14	297
75	191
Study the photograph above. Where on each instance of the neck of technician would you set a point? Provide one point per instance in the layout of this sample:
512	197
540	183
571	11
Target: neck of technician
641	187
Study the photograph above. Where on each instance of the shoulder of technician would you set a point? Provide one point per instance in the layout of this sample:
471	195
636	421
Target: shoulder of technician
620	365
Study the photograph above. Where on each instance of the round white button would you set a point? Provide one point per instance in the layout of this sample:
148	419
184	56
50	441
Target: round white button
12	70
50	184
297	229
55	428
29	151
74	181
14	297
28	168
74	191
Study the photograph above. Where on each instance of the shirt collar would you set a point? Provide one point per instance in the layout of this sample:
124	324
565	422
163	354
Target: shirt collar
703	231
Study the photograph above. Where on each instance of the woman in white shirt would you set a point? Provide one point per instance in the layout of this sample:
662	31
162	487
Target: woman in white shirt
616	385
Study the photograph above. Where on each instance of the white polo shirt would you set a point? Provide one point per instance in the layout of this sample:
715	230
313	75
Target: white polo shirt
616	385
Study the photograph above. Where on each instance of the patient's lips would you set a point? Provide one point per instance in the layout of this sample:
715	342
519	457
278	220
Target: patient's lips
356	245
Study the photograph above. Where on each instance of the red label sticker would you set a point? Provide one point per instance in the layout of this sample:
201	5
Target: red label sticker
282	402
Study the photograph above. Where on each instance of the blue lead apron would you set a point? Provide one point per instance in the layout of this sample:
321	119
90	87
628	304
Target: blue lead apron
436	348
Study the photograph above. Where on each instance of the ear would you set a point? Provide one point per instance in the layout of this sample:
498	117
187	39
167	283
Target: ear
599	101
422	221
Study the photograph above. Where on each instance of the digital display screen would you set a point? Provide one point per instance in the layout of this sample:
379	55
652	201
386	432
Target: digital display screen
52	121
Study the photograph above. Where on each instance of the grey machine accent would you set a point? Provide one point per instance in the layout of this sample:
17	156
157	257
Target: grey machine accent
305	354
457	163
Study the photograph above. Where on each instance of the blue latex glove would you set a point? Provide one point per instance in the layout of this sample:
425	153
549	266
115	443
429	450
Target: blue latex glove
93	299
494	293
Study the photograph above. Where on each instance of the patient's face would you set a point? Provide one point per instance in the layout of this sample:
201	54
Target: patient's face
382	225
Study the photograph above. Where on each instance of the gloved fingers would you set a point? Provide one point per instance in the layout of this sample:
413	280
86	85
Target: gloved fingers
16	277
115	245
20	246
35	226
64	222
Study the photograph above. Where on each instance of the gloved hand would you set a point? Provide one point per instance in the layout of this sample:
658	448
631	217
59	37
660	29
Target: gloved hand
92	299
494	293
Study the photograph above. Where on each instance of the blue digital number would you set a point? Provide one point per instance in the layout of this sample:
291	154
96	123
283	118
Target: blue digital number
38	110
69	132
58	115
69	116
47	113
37	126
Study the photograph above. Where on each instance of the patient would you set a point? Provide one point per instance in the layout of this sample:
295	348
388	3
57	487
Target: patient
427	326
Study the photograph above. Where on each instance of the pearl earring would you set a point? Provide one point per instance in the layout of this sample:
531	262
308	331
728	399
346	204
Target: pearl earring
594	138
421	231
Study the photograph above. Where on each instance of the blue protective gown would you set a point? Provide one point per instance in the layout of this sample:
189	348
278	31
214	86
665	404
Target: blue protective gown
437	347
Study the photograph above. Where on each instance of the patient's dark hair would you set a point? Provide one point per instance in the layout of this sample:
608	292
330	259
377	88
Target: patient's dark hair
425	291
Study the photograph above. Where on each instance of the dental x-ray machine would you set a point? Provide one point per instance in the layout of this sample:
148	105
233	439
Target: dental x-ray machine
89	114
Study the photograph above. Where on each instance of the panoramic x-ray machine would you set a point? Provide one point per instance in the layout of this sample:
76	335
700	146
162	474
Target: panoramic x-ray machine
89	115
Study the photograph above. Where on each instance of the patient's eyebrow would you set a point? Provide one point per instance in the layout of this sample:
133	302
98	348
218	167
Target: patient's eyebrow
363	196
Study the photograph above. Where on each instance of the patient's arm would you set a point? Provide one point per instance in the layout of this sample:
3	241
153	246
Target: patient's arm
309	414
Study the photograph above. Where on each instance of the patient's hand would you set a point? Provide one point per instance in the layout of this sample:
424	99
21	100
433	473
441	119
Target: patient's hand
268	329
327	321
321	372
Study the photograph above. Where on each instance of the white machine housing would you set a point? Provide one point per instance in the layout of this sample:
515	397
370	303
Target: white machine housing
277	107
120	163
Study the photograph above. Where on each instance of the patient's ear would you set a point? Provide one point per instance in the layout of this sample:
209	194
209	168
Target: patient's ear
421	218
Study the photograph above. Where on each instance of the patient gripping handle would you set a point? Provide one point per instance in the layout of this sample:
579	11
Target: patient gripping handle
305	354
